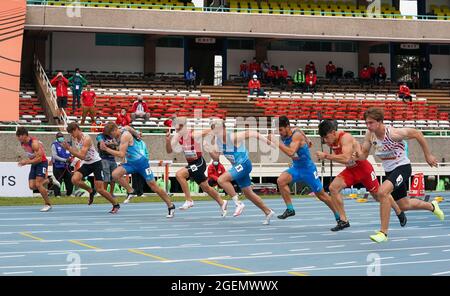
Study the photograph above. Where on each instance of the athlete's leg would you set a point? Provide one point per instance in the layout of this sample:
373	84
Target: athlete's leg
336	187
255	199
182	176
100	188
413	204
39	185
224	182
323	196
211	192
384	197
119	175
77	180
283	182
161	193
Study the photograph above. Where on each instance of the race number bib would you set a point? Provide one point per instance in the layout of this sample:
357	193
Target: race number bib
77	87
148	171
194	168
316	175
239	168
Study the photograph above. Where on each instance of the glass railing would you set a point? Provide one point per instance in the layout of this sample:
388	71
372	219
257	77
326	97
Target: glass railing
175	6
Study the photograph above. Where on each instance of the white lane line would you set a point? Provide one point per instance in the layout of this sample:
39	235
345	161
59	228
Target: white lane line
441	273
259	254
55	254
228	242
329	234
126	265
190	245
202	233
357	231
218	258
169	235
399	240
12	256
299	250
303	268
9	244
436	224
336	246
34	224
240	230
428	236
345	263
367	243
147	227
17	272
134	237
448	250
418	254
73	269
386	258
297	236
263	239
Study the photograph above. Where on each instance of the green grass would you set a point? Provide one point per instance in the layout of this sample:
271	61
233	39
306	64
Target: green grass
65	200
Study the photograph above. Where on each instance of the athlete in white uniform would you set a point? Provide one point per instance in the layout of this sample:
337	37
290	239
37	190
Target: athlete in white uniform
390	148
91	162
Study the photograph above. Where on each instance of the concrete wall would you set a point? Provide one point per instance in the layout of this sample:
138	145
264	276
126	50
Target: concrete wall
235	58
235	24
169	60
385	58
441	66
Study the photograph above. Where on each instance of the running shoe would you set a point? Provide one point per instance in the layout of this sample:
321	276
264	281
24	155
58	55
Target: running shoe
379	237
187	204
130	195
91	196
115	209
223	208
437	210
288	213
171	210
239	209
341	225
402	219
46	208
268	217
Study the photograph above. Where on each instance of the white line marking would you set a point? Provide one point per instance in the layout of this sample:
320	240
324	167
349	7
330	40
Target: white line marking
189	245
61	253
73	269
240	230
263	239
202	233
218	258
428	236
436	224
448	250
385	258
419	254
367	243
17	272
125	265
345	263
441	273
12	256
169	235
303	268
329	234
299	250
9	243
399	240
228	242
259	254
297	236
337	246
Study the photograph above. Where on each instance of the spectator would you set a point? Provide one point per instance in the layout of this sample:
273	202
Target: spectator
271	75
299	80
265	67
61	83
330	71
108	160
310	67
255	67
88	98
425	68
77	81
311	80
282	75
123	119
61	161
404	93
140	109
364	76
254	87
190	78
215	170
97	126
243	70
415	74
380	73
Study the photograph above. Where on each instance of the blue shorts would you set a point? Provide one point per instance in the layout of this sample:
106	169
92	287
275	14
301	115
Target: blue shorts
240	173
141	167
38	170
307	175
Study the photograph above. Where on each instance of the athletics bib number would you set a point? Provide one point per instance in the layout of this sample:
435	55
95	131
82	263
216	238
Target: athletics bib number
194	168
316	175
239	168
44	171
148	171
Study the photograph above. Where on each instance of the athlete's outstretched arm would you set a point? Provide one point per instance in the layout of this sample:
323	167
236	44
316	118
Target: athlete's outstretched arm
362	152
308	140
241	136
400	134
81	154
122	152
347	151
298	140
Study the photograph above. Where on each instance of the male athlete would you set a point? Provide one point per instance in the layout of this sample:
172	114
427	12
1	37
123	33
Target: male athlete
295	144
136	162
390	148
355	172
190	142
37	178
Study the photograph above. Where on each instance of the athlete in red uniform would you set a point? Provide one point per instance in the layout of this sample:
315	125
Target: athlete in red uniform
357	171
37	178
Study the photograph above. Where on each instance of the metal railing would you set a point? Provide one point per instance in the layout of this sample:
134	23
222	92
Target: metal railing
358	13
49	89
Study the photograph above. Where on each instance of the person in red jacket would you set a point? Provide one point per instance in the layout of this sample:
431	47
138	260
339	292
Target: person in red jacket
88	99
254	66
404	93
243	70
123	119
311	80
330	71
61	83
215	170
282	74
140	109
372	72
380	73
254	87
310	67
364	76
271	75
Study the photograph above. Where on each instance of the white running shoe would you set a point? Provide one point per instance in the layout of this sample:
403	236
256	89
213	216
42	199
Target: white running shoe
129	197
187	204
55	181
46	208
223	208
239	209
267	220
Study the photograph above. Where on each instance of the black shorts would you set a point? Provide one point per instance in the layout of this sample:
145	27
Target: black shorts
62	102
96	168
399	177
197	170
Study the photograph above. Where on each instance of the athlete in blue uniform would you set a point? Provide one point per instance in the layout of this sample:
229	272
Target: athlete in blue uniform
136	161
232	146
295	144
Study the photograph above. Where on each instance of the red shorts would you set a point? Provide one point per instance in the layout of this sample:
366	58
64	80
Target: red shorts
362	173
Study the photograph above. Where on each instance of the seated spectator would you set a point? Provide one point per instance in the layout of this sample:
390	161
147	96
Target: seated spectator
282	75
364	76
61	83
140	109
380	73
190	77
372	72
254	87
265	67
215	170
123	119
299	80
404	93
310	67
254	67
88	98
271	75
311	80
330	71
243	70
97	126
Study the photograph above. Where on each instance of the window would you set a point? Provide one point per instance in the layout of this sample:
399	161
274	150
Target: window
170	42
441	49
238	43
105	39
324	46
380	48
